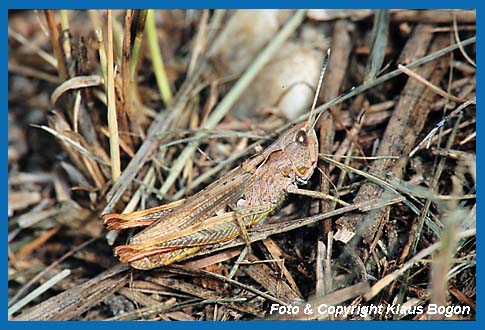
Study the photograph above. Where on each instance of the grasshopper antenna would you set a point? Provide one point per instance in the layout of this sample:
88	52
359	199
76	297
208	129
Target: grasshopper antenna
311	123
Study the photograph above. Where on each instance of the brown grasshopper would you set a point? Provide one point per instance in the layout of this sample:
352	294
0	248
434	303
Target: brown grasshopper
223	210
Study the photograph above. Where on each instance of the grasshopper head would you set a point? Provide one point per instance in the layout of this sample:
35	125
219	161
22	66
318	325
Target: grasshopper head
300	143
300	146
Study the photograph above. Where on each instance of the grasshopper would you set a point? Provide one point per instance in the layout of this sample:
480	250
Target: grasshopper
224	209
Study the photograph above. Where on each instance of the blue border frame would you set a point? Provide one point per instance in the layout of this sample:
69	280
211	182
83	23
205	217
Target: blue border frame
229	5
237	4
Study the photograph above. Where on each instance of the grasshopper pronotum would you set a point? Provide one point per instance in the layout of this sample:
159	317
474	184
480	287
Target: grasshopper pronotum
224	209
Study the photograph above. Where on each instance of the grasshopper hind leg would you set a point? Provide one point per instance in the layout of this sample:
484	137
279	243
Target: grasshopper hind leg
164	259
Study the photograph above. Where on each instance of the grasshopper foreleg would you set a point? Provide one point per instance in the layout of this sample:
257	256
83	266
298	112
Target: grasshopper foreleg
314	194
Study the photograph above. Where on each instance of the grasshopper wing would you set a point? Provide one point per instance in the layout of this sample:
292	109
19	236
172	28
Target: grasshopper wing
144	218
218	197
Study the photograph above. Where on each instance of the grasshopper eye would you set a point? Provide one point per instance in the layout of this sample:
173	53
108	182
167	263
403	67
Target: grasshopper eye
301	138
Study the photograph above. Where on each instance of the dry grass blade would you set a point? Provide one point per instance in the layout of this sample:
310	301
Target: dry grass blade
206	295
126	63
39	241
37	292
75	144
140	20
56	44
278	256
112	116
202	273
75	83
31	72
380	39
40	52
457	37
435	88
